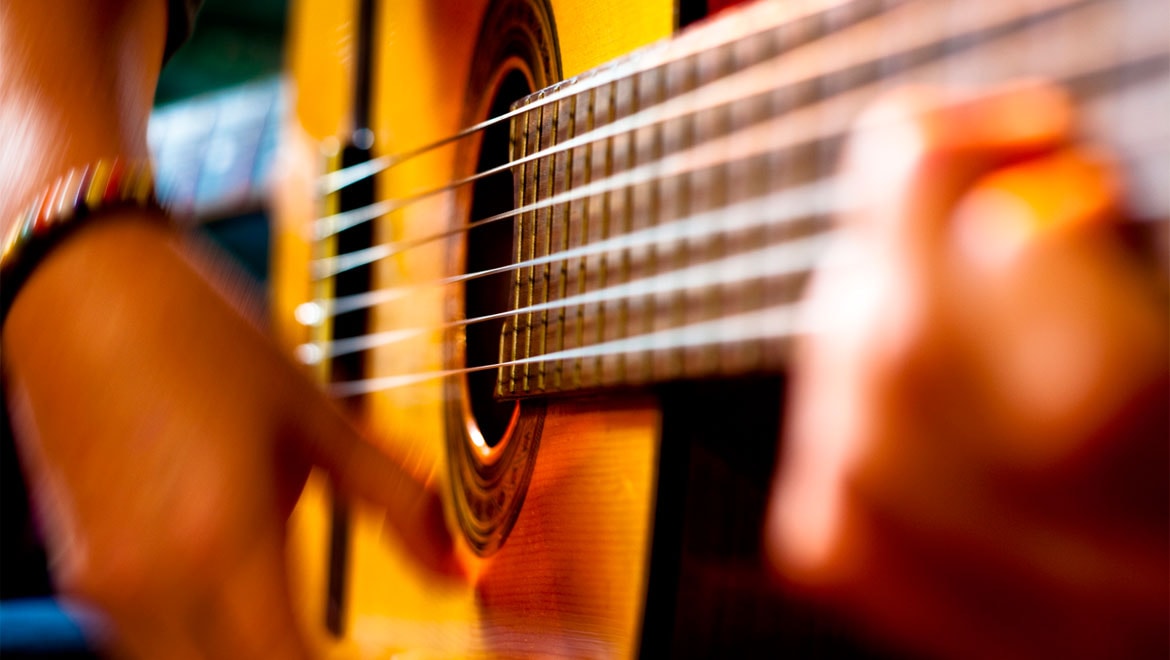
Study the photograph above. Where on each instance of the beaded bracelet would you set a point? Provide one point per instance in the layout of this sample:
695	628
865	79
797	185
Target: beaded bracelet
60	210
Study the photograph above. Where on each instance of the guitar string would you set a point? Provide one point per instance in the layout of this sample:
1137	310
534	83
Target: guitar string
859	11
373	297
818	199
771	323
605	349
744	85
684	105
795	257
792	258
313	352
769	136
646	60
373	254
771	75
813	200
765	138
333	265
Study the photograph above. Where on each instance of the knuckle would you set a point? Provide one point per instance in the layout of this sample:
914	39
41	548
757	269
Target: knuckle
890	141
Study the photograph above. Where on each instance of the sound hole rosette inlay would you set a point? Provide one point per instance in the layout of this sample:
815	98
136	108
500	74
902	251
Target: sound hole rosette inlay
492	444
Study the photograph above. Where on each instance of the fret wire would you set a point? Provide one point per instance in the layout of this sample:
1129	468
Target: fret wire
736	88
550	114
582	283
603	226
524	274
725	91
539	168
772	261
828	83
1082	83
733	89
829	86
781	102
688	78
749	182
522	227
389	249
813	200
695	359
523	299
653	213
650	57
566	228
771	323
715	299
332	224
506	379
626	204
520	128
312	312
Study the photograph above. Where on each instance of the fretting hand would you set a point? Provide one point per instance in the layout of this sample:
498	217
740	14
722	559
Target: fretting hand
976	455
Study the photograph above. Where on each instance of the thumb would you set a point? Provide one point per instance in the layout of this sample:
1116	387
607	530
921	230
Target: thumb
1070	335
916	151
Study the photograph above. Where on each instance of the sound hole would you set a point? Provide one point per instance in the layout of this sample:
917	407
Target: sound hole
490	246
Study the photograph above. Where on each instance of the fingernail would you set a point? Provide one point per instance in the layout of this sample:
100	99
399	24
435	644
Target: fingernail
1011	207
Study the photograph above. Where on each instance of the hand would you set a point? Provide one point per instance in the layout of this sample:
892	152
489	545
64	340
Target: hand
166	442
976	452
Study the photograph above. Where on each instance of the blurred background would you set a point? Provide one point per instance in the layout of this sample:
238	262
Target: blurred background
213	136
217	113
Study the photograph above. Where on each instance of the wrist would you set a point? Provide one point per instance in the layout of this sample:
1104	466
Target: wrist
62	208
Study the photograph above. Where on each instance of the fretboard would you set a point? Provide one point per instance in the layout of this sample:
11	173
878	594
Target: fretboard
670	205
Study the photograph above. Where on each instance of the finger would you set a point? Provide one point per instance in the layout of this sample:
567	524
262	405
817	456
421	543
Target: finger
914	158
1067	334
910	160
914	154
436	548
1018	205
414	510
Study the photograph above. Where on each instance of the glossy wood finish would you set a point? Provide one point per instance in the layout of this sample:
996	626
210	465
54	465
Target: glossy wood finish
571	575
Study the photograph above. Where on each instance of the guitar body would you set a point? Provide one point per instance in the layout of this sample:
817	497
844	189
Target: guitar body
593	383
570	577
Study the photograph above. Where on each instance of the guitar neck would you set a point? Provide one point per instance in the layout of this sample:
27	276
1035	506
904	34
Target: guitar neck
670	206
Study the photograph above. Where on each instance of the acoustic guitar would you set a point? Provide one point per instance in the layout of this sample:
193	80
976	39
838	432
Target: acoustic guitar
549	253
